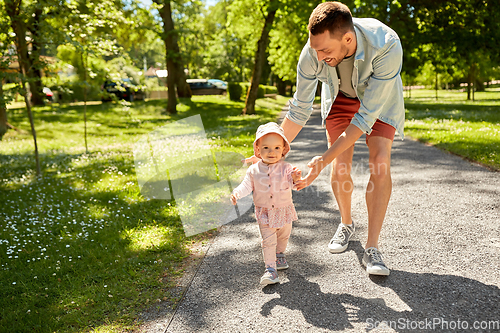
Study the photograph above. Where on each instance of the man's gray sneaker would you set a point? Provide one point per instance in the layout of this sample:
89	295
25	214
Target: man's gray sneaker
270	277
281	261
340	240
372	259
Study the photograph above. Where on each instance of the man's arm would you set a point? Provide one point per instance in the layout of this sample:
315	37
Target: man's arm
291	129
318	163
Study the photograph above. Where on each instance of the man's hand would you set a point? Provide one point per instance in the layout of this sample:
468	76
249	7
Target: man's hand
314	161
315	166
253	159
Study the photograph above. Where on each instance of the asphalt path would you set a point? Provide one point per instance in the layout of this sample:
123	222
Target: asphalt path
441	240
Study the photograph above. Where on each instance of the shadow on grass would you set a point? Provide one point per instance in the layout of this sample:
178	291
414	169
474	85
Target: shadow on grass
107	257
91	251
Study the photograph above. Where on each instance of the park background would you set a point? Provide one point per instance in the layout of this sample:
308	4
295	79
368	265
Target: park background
80	248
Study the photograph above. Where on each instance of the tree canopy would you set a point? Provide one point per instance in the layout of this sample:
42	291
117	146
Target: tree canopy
458	39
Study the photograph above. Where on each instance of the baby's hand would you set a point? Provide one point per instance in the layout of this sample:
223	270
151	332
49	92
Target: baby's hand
233	199
315	169
296	174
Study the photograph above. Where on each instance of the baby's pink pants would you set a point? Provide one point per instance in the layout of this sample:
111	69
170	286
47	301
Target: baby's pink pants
274	240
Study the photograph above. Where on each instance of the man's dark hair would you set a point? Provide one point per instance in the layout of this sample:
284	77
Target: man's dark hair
332	16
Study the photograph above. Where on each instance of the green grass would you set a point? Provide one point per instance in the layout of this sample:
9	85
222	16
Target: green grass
467	128
80	248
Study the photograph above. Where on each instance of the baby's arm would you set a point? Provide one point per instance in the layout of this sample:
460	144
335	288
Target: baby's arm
244	189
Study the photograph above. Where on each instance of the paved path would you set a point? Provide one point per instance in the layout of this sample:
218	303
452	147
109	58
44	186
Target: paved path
441	240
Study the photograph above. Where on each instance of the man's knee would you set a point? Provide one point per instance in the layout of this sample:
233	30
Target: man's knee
380	165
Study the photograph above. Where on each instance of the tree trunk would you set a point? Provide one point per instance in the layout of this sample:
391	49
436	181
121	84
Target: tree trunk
176	76
32	123
3	114
183	89
469	83
172	96
13	10
84	63
473	80
260	58
281	85
35	74
436	85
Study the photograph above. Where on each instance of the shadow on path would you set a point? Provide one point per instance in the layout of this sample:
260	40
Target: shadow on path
441	302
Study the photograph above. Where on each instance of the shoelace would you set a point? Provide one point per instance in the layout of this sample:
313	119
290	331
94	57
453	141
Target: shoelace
271	274
341	235
376	256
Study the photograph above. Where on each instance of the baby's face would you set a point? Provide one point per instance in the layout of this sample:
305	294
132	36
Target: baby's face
271	148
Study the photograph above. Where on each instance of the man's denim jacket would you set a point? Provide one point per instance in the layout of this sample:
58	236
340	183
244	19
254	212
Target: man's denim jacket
376	79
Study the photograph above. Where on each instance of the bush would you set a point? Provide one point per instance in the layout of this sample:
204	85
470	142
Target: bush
271	90
235	90
261	91
245	86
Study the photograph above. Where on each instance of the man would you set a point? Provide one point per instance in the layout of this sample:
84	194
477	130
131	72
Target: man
359	63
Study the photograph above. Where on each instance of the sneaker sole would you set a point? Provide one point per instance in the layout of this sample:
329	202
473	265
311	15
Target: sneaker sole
340	250
378	272
282	268
372	271
266	282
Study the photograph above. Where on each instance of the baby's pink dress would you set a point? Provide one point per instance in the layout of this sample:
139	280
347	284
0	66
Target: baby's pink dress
271	185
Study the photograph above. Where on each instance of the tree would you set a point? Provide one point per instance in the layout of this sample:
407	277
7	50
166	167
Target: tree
18	24
468	29
284	47
88	29
228	44
176	79
192	36
28	21
138	34
5	59
4	124
252	26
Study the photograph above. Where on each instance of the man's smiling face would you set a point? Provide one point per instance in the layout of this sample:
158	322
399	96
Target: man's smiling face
331	50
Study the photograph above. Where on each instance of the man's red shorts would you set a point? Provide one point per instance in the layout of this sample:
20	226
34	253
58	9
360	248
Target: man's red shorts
341	113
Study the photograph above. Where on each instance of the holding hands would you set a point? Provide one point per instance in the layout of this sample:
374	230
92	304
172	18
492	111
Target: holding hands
296	174
315	166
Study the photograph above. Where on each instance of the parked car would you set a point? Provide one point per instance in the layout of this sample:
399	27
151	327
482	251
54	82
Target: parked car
204	87
219	83
123	89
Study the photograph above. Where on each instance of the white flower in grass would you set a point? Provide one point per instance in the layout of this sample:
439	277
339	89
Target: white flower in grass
14	283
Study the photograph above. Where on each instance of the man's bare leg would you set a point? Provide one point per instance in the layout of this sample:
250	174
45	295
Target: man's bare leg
342	187
342	184
378	191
